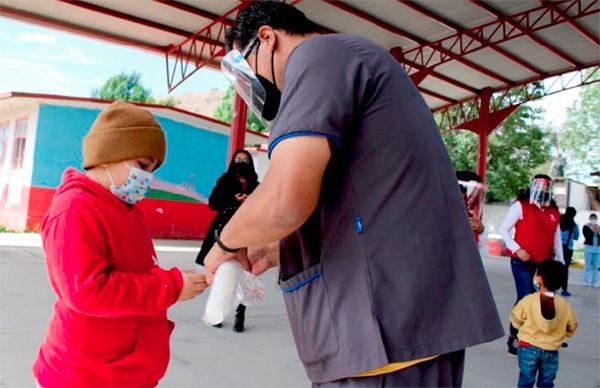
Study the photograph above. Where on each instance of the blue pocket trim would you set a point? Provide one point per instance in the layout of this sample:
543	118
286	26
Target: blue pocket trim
302	283
358	225
335	140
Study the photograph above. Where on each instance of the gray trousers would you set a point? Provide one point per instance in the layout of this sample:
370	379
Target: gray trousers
443	371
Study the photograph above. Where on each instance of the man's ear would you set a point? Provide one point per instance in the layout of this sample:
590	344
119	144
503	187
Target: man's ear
267	37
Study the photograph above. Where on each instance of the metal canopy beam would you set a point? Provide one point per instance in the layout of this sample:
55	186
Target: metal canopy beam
453	26
571	20
459	115
137	20
193	53
193	10
394	30
498	31
501	17
80	30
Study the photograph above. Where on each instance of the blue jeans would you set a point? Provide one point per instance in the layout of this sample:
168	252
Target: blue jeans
523	275
535	361
590	270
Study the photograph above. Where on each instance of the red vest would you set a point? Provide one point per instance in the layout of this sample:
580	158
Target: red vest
535	231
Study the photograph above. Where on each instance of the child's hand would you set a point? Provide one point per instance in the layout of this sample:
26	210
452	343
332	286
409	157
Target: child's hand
194	283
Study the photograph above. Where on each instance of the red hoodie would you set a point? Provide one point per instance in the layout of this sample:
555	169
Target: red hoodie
109	327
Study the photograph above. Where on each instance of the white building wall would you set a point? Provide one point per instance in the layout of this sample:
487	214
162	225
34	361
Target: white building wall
15	183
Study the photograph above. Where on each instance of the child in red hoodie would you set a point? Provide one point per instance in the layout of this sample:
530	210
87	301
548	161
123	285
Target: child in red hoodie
109	327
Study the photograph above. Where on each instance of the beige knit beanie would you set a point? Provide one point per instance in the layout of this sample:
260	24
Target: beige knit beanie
122	132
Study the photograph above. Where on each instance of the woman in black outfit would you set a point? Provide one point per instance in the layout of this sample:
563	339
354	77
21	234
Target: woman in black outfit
231	190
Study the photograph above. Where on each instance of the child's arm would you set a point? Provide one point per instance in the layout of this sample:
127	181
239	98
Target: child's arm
75	247
518	315
572	324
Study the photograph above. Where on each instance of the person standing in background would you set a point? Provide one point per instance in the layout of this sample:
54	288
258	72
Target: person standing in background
231	190
473	193
570	233
535	218
591	251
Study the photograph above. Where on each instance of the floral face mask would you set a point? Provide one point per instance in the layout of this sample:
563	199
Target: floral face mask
135	189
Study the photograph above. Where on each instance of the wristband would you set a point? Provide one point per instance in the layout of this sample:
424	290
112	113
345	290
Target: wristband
223	247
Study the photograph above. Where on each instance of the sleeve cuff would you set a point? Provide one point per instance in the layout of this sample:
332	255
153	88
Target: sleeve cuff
277	140
513	246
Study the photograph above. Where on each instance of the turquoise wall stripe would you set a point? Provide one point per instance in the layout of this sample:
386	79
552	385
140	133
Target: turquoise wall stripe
195	157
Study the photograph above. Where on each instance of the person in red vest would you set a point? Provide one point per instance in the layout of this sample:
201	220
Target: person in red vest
535	218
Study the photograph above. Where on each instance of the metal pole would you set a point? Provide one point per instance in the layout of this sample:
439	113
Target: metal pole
484	130
238	126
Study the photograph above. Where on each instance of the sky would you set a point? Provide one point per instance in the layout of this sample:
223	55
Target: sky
43	60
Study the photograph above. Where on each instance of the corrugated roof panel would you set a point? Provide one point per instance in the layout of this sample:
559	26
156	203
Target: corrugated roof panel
571	42
404	18
491	60
444	88
341	21
542	58
467	75
157	12
460	12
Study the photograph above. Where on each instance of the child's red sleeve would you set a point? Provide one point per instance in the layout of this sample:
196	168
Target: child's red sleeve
81	273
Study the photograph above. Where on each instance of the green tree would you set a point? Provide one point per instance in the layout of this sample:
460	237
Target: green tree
126	87
168	101
580	135
516	147
224	113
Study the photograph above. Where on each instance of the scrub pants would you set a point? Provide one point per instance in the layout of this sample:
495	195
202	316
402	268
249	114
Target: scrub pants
443	371
590	270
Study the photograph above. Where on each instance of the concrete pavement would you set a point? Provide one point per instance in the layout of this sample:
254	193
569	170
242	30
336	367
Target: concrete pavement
264	355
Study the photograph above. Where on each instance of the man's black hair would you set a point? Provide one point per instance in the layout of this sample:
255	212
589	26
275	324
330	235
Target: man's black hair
467	176
278	15
552	273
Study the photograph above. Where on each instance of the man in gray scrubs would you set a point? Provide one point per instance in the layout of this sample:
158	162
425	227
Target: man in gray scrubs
381	276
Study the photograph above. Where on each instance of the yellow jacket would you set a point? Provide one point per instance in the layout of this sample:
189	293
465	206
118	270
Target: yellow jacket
547	334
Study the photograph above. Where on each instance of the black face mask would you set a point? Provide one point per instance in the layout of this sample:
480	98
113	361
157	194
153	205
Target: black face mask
243	169
273	95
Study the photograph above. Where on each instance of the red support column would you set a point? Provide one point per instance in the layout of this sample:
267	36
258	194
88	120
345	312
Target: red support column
484	131
238	126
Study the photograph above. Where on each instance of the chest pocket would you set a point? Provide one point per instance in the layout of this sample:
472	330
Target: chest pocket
311	319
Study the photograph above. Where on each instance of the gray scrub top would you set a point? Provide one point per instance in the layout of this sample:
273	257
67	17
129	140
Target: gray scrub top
386	269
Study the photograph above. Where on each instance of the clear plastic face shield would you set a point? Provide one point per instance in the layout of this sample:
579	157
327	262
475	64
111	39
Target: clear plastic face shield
237	70
473	194
540	192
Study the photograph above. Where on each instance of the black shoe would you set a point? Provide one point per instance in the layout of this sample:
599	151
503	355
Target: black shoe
218	325
238	324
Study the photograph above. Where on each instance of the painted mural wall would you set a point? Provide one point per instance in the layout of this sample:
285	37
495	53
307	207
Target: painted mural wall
176	206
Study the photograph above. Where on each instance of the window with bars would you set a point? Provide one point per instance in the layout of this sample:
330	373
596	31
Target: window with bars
4	131
19	144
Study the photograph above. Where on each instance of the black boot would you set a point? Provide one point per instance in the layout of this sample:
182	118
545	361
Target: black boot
238	324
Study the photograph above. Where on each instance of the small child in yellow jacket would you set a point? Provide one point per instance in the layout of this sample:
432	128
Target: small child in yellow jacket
544	320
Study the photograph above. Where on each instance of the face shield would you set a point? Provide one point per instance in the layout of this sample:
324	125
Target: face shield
540	192
238	72
473	194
